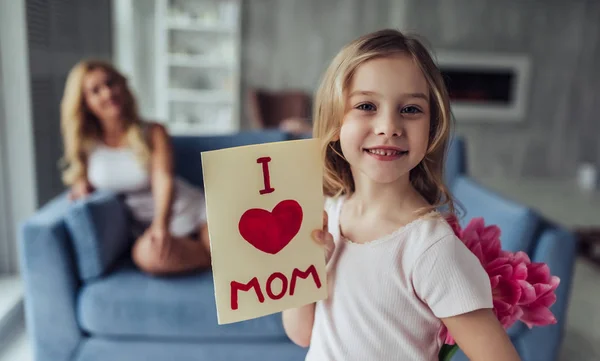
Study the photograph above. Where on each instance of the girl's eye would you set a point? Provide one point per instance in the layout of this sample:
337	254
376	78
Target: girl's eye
366	107
411	110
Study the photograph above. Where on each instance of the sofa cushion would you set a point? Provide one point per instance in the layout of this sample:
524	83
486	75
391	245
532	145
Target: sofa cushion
300	136
187	149
517	222
130	303
98	225
97	349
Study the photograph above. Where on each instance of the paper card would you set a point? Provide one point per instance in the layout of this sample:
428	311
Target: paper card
263	201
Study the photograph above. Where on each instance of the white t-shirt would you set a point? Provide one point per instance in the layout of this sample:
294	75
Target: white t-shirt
387	296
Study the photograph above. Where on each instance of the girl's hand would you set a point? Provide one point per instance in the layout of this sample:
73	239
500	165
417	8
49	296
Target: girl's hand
80	189
160	237
324	238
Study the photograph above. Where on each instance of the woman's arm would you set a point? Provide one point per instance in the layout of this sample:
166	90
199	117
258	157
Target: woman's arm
298	324
162	175
81	188
481	337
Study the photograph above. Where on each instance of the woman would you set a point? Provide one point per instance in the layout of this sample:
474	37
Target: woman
108	146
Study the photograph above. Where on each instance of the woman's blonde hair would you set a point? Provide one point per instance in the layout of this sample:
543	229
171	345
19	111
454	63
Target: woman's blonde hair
330	107
81	130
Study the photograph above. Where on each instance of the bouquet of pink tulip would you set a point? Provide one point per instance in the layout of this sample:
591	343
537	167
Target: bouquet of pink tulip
522	290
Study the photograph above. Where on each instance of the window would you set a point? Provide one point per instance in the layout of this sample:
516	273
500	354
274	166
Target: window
17	187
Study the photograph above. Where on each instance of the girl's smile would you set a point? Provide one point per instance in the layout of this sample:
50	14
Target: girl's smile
386	153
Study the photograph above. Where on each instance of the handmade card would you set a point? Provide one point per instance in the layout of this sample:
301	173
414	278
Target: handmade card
263	201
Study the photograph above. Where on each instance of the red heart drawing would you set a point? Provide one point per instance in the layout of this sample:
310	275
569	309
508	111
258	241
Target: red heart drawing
268	231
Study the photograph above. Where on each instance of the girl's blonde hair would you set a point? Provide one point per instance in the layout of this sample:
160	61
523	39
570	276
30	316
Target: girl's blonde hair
81	130
330	107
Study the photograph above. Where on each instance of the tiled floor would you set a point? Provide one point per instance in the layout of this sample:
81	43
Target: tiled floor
582	341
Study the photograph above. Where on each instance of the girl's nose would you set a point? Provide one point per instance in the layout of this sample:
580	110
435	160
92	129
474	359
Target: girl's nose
388	125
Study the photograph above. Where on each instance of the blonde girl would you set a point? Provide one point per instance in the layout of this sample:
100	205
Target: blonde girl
108	146
398	276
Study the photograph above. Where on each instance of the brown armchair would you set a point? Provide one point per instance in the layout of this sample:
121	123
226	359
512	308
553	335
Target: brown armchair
269	109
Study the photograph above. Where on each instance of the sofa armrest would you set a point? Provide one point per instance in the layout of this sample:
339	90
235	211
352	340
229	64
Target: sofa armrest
50	283
518	222
558	249
98	226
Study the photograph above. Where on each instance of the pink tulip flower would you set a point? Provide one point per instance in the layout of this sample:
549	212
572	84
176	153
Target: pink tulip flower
521	290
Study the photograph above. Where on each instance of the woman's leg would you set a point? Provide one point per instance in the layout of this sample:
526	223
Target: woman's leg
185	254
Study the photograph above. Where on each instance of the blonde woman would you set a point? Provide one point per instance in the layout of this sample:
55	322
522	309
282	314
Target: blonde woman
107	146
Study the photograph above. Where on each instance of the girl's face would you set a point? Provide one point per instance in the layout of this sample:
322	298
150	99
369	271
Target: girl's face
104	94
385	131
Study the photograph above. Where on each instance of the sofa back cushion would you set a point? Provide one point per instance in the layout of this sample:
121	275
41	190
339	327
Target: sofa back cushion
517	222
456	161
187	149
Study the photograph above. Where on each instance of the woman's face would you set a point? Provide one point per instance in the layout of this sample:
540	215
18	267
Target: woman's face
104	94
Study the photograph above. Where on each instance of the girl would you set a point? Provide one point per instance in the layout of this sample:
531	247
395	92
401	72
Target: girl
397	274
108	146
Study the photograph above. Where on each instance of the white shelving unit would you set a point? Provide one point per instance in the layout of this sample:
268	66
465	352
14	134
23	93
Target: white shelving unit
197	48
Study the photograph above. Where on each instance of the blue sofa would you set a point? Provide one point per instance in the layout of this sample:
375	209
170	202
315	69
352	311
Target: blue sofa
522	230
86	301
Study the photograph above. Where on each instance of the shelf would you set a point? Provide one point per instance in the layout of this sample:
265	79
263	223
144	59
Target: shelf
200	27
198	62
200	96
182	129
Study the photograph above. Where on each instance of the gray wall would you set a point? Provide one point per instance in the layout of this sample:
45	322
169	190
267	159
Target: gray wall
562	39
60	33
288	43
